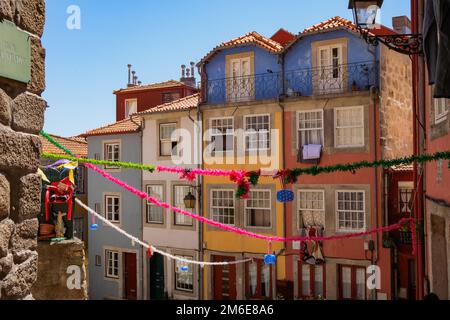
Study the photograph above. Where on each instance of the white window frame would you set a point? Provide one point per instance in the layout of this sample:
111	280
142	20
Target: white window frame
213	217
299	217
212	134
357	211
185	220
269	209
106	144
190	273
109	257
167	140
440	115
300	130
336	145
248	133
113	196
127	111
150	204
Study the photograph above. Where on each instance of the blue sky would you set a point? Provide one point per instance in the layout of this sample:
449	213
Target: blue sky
84	66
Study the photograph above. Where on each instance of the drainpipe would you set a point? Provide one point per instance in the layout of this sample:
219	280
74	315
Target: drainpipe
199	193
373	97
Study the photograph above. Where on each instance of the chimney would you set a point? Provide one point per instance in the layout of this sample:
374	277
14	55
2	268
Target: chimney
188	75
133	77
129	75
401	24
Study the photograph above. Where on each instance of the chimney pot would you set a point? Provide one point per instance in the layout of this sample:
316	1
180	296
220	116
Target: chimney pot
183	68
129	74
192	68
188	73
401	24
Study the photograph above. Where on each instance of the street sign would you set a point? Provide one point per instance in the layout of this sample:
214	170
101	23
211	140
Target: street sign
15	53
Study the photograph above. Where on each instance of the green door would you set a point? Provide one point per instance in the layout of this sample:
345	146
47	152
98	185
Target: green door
157	277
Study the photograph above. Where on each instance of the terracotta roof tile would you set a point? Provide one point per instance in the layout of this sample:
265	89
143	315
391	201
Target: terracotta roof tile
159	85
76	146
127	125
185	103
282	36
249	38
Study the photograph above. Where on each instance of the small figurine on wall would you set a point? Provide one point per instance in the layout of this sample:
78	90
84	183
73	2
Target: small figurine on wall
59	226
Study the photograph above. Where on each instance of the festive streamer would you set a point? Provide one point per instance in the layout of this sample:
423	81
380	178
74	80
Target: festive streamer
150	248
243	232
143	195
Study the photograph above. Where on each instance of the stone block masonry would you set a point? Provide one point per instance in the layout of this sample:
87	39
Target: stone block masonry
21	118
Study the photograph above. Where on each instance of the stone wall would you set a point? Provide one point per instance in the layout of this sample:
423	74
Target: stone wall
21	118
396	104
61	271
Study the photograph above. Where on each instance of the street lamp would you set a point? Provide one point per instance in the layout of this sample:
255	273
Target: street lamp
189	201
365	13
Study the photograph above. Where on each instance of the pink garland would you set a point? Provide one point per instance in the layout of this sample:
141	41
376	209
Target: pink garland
222	226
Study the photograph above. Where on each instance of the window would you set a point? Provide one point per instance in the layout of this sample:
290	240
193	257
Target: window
330	70
311	280
258	209
112	264
167	141
222	134
310	127
81	179
170	96
352	283
222	206
258	280
240	86
349	127
257	132
155	214
311	208
184	276
440	110
350	210
405	192
112	208
179	192
98	260
130	107
112	153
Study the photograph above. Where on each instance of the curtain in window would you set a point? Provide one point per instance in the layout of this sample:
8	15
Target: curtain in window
346	282
266	281
253	273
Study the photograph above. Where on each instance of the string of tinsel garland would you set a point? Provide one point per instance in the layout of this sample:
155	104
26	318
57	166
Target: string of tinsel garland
291	175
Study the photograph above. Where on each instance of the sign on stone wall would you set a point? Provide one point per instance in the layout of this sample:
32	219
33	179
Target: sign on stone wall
15	53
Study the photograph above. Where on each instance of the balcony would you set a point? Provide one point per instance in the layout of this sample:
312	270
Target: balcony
337	79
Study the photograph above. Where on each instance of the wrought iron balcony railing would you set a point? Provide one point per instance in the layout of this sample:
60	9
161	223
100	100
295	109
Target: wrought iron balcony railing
303	82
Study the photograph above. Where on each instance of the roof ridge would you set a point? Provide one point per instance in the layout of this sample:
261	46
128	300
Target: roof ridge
170	103
66	138
134	115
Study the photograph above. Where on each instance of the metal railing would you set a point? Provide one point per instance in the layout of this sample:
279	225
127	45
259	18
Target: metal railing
336	79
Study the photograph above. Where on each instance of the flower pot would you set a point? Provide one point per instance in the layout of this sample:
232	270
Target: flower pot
46	229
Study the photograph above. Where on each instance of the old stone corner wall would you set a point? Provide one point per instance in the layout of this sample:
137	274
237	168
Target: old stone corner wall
21	118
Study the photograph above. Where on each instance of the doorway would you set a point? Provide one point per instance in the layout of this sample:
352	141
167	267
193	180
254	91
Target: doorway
224	283
157	287
130	276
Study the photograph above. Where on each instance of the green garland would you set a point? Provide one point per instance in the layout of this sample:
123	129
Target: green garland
54	142
352	167
254	175
129	165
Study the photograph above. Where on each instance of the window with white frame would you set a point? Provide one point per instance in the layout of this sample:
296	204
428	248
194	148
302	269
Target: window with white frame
112	152
112	208
258	209
130	107
257	132
184	275
112	264
155	214
310	127
405	194
222	134
222	206
179	192
351	210
349	127
440	110
311	208
167	141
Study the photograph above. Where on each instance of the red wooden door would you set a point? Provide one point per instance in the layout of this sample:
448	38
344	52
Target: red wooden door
224	284
130	276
